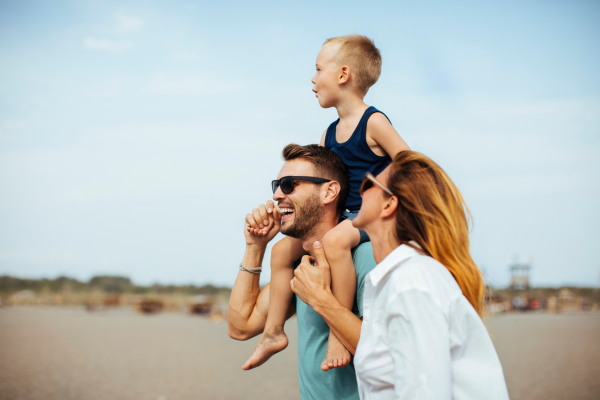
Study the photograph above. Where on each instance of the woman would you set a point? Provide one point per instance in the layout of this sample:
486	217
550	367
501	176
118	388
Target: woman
422	336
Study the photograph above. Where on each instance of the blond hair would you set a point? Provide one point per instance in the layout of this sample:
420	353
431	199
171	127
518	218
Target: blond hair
360	54
432	212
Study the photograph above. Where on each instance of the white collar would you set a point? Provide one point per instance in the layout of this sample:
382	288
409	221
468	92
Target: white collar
395	258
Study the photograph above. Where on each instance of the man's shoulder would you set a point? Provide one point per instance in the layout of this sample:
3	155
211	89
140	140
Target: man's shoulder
362	255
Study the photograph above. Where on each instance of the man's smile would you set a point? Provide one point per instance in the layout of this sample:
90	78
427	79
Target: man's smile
286	211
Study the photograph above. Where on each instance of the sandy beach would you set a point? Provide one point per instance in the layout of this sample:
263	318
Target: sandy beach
66	353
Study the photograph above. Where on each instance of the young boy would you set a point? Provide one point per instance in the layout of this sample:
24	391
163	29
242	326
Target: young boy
347	66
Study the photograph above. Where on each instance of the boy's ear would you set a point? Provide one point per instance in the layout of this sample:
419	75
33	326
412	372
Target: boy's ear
344	75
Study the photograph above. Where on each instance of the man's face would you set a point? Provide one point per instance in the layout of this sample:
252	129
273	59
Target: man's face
302	209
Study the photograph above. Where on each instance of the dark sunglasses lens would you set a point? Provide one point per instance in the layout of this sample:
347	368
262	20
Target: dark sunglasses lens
367	184
287	185
274	186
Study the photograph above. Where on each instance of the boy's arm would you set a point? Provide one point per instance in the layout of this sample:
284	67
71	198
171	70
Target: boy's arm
382	138
322	143
312	284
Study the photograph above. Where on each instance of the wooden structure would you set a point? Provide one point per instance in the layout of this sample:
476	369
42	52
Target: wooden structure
519	276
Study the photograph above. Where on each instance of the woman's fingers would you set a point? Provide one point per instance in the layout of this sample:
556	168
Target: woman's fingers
320	254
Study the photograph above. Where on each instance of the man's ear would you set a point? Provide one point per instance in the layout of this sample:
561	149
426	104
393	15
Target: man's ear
389	207
331	192
344	75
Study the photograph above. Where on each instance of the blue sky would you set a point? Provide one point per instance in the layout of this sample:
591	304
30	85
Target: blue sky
135	136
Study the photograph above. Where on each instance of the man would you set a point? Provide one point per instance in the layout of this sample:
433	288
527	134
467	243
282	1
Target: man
315	212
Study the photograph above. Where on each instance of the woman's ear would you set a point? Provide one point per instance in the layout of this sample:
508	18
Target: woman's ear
331	192
389	207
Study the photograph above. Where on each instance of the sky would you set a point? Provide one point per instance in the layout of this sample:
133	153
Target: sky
136	135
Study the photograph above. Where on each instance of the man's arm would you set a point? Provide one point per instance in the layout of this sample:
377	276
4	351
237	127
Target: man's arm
248	304
312	283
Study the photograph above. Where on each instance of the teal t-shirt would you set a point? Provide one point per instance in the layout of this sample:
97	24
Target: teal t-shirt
313	332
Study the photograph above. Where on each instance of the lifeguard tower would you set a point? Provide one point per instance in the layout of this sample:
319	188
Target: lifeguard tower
519	275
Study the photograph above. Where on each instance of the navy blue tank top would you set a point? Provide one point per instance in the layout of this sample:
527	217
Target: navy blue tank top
358	156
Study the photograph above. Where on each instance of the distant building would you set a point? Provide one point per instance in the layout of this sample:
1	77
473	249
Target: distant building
519	276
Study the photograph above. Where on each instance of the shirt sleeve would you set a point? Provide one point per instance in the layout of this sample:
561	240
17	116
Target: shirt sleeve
362	256
418	338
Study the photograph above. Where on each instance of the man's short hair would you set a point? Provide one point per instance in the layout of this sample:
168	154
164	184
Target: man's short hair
361	55
327	165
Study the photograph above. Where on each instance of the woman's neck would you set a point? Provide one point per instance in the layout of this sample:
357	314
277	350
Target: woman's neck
384	242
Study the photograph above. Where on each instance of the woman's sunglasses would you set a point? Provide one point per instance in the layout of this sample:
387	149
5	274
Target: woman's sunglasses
368	182
286	184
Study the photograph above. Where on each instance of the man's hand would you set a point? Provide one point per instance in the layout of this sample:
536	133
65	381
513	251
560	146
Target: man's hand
261	226
312	278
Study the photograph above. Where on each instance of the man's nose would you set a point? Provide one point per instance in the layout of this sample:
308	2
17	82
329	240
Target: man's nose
278	195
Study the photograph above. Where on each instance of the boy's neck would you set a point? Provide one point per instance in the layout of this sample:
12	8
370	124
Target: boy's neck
350	106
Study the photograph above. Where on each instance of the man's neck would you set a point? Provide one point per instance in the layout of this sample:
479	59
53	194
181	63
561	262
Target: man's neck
350	107
326	224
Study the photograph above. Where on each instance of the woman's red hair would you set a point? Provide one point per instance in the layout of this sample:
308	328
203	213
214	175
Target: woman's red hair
432	212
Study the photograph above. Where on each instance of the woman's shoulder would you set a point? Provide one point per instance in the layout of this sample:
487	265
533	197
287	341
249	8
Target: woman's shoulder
424	273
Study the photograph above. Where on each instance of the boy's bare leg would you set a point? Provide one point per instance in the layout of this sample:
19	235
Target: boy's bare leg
274	339
338	244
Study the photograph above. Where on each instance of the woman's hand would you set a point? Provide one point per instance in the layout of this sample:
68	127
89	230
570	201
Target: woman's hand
312	283
312	279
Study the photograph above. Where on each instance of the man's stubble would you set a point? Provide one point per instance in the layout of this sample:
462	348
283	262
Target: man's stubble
306	217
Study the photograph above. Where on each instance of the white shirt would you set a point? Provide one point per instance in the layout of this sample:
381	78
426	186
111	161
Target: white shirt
421	338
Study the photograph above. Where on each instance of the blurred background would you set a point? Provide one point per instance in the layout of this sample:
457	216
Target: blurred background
136	135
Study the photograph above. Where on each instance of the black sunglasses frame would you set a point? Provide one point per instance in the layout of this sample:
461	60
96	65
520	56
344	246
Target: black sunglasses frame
280	183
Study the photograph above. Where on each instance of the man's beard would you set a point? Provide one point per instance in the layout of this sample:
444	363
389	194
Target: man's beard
305	218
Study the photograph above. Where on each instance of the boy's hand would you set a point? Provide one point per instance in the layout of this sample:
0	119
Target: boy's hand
262	224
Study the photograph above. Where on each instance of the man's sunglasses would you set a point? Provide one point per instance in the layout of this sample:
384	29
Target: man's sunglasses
368	182
286	184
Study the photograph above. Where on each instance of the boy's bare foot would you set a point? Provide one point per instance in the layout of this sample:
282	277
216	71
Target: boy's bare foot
336	356
271	342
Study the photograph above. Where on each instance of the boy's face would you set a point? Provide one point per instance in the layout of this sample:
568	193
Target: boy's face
325	81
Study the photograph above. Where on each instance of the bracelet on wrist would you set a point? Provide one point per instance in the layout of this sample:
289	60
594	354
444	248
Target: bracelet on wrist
251	270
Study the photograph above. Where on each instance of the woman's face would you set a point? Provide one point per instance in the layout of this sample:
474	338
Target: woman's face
372	203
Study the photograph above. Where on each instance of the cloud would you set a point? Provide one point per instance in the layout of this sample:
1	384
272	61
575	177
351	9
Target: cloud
528	184
9	131
106	44
36	257
189	86
128	24
113	90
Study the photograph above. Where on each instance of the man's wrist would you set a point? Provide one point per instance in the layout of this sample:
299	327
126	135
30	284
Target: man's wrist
253	257
256	249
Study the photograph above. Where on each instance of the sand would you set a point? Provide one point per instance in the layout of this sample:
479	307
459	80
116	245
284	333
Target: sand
64	353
